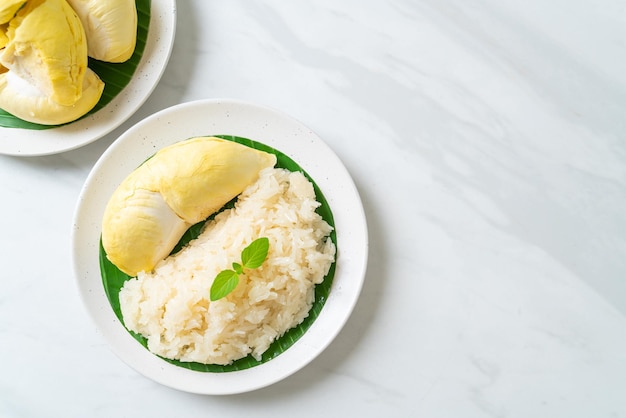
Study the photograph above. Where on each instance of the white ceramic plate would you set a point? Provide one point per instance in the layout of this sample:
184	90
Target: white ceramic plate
27	142
222	117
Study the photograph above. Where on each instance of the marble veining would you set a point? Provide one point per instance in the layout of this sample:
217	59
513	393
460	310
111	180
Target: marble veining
486	139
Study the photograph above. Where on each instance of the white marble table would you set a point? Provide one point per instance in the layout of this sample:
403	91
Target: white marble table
487	140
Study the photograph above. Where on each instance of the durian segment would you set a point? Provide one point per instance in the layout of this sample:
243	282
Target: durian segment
47	47
198	176
111	27
139	229
24	101
194	178
8	8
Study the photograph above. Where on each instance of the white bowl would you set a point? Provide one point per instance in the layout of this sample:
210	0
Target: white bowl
29	142
222	117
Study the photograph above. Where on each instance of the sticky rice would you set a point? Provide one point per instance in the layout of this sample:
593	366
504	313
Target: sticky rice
170	306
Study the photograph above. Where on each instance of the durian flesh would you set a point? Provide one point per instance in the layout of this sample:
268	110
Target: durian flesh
26	102
47	47
8	8
44	76
179	186
111	27
3	36
3	42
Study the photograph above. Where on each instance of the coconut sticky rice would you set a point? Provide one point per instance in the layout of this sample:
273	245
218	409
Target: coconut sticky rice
171	307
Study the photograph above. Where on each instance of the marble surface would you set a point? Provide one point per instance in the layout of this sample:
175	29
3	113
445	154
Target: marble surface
486	139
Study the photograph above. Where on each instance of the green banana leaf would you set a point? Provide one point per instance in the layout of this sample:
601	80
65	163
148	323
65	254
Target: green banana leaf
113	279
115	76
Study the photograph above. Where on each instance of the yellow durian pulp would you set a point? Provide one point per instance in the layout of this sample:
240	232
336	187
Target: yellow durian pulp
8	8
182	184
4	39
3	42
207	174
24	101
139	229
47	47
111	27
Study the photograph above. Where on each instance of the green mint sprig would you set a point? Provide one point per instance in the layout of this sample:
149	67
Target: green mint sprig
251	258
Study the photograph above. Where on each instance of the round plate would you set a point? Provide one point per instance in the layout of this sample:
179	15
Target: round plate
28	142
222	117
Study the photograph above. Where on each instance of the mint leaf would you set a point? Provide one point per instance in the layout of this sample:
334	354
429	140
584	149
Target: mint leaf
255	254
251	257
224	283
238	268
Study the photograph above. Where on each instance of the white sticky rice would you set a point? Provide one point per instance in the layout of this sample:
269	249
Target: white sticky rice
171	307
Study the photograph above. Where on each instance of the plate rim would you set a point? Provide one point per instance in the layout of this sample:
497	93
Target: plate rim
350	267
89	129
